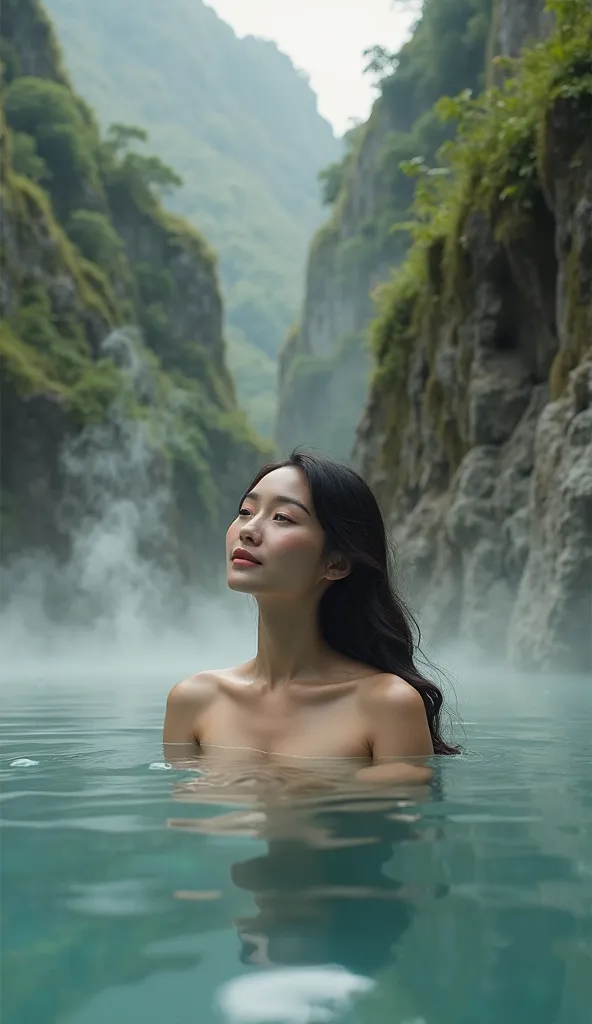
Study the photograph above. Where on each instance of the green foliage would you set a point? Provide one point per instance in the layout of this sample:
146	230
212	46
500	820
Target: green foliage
334	177
49	113
380	62
445	55
447	47
30	207
494	164
10	65
22	367
98	293
120	136
247	308
331	179
96	238
255	374
238	124
58	340
97	387
151	174
154	285
26	159
123	258
391	331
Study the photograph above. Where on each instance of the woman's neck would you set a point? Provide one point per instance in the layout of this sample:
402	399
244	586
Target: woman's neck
289	642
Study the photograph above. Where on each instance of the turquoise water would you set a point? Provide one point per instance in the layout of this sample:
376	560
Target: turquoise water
132	892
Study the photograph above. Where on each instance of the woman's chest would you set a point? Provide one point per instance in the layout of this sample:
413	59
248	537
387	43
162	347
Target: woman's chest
276	726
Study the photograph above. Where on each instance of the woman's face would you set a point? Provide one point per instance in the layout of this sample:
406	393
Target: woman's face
279	538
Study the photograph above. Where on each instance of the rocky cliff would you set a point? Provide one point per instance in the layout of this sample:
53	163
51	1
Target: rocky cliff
86	251
325	363
515	25
478	430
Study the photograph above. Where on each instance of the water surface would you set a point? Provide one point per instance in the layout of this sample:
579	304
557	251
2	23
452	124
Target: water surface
135	892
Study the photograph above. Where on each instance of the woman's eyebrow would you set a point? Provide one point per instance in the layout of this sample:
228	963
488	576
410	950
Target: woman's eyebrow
281	499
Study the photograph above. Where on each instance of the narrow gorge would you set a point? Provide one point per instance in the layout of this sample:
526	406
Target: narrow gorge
477	433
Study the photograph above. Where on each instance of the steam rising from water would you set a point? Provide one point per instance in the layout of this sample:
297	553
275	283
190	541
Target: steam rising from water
120	603
120	598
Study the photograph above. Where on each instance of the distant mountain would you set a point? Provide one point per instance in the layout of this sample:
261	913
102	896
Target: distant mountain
240	125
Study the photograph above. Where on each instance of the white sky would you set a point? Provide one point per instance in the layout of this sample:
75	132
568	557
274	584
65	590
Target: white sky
325	38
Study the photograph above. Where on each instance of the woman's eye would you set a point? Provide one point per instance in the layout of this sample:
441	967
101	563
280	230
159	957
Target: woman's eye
283	518
244	512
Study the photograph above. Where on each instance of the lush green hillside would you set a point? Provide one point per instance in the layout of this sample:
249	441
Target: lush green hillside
239	124
86	249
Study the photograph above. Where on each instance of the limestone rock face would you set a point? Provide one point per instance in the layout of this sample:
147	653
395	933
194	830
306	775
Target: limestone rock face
325	366
552	620
487	478
517	22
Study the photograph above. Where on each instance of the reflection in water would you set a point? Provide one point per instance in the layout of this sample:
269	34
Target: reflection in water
489	907
320	889
468	904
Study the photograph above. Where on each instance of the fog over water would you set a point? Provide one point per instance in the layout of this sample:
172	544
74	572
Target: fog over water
157	883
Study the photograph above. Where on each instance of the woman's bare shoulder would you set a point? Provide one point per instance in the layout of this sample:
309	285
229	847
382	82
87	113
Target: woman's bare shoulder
382	690
196	690
204	686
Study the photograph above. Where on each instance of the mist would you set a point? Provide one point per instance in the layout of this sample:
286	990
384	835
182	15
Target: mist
118	608
119	601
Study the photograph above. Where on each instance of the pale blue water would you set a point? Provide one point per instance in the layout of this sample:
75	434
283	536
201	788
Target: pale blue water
123	900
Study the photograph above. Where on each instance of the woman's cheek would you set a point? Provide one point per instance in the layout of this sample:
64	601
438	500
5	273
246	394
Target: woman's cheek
296	545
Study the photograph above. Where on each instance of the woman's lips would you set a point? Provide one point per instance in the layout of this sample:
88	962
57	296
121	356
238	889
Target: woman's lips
244	559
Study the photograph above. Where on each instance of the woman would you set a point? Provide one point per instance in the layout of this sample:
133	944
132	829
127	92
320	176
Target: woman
334	675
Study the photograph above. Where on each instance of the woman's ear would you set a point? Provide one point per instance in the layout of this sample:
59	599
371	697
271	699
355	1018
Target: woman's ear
338	568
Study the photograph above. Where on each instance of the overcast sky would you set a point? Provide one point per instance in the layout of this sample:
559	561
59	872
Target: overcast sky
325	38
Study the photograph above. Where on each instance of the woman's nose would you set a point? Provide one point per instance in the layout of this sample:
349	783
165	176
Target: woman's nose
249	531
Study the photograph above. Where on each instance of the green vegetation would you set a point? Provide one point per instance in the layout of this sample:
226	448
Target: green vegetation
498	164
96	238
239	125
371	194
256	375
320	393
445	54
64	140
26	159
333	177
88	248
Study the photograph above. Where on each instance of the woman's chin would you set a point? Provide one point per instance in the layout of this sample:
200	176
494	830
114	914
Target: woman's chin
240	582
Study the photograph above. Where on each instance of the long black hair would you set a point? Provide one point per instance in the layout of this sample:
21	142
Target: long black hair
362	616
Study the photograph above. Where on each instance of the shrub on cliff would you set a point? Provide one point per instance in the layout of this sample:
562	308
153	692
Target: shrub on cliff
50	114
496	164
96	238
26	159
